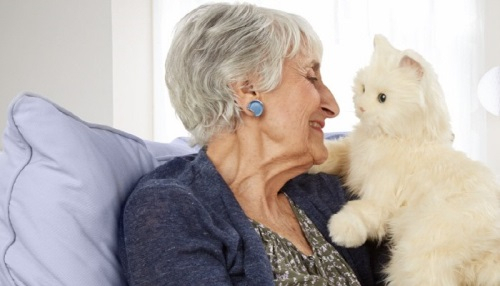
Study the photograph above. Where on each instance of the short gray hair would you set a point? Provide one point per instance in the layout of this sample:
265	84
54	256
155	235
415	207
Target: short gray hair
220	44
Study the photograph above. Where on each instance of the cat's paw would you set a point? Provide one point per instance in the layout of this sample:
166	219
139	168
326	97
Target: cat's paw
347	229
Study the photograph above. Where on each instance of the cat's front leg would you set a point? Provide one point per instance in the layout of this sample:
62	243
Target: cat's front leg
357	221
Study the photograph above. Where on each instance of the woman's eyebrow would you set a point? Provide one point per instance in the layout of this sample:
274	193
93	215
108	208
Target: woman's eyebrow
314	64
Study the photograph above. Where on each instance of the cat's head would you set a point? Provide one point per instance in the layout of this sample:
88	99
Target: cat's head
398	95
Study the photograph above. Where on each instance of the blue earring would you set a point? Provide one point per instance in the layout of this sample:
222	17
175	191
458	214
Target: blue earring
256	107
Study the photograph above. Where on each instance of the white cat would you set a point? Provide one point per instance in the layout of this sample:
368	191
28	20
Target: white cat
439	209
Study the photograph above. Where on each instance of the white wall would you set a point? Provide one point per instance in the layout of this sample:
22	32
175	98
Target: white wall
492	59
92	57
132	27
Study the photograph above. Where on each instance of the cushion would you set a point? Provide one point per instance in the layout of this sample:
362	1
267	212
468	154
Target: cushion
335	135
62	185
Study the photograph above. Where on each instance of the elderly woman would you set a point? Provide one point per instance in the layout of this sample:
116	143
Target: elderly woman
246	83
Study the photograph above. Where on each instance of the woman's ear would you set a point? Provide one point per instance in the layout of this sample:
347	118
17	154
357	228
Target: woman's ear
245	94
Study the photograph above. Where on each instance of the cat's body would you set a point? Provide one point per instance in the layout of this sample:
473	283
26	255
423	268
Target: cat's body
439	209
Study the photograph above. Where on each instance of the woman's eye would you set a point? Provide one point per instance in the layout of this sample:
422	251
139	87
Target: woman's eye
312	75
382	97
312	79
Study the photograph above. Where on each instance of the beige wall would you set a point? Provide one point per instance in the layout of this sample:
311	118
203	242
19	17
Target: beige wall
93	57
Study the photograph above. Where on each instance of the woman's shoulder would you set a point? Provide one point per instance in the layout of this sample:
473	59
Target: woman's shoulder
172	169
318	187
182	179
168	179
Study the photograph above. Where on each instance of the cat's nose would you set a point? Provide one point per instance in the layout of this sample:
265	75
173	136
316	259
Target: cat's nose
361	109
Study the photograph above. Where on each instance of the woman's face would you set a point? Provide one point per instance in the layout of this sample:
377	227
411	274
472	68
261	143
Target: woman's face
296	110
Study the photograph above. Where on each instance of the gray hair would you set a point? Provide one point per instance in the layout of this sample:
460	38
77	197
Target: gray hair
220	44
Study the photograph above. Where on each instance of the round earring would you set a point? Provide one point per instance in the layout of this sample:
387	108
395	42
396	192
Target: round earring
256	107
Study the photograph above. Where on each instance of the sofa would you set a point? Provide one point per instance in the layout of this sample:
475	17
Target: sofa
62	185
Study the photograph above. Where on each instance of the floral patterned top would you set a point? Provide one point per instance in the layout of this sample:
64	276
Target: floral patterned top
291	267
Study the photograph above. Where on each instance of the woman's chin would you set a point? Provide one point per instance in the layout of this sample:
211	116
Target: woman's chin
320	155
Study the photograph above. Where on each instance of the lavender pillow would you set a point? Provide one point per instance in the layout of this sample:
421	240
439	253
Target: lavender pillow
62	185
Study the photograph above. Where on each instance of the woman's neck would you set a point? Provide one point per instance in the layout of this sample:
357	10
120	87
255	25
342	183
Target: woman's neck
256	171
254	168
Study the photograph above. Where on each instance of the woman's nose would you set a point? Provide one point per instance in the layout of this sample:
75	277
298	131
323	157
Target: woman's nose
328	103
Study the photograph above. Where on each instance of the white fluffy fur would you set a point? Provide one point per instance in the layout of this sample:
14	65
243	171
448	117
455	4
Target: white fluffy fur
439	209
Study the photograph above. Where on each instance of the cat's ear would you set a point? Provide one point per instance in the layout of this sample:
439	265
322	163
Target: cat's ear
382	44
380	41
382	49
407	61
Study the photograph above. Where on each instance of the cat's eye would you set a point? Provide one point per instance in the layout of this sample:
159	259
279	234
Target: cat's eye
382	97
363	88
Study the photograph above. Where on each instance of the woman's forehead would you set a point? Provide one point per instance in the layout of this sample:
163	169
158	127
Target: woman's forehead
306	61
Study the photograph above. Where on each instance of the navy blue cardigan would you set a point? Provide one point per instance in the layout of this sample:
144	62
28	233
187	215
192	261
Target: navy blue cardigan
182	226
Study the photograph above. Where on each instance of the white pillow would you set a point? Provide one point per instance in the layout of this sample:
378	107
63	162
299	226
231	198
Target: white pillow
62	185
